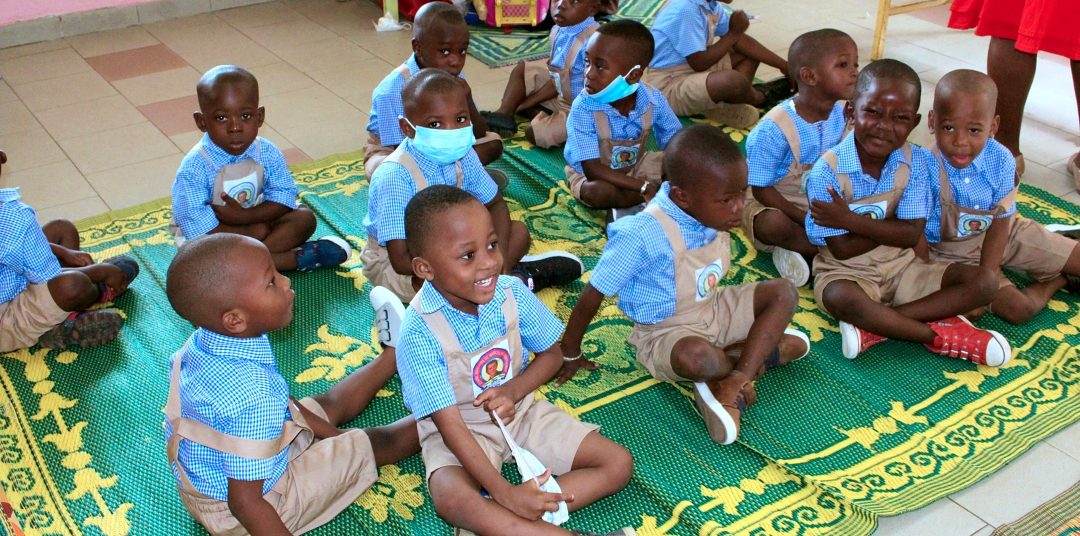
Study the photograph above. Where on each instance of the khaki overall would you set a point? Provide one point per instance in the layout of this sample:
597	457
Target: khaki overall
28	316
242	180
641	164
682	86
538	426
549	129
376	258
888	275
322	477
1030	248
703	308
792	186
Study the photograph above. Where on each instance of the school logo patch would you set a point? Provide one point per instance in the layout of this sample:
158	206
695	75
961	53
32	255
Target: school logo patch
708	278
242	190
624	157
491	368
874	211
973	224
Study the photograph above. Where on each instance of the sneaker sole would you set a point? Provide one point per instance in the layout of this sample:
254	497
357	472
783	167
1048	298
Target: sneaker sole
553	254
387	304
803	337
94	329
740	116
849	333
791	266
718	422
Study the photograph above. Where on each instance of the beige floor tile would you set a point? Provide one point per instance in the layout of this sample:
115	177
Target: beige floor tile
31	49
285	35
275	137
150	88
487	96
99	43
173	116
118	147
988	530
1068	440
1045	144
1073	198
339	16
6	94
477	73
326	137
941	518
65	90
14	117
1032	479
238	50
322	55
393	47
136	183
354	82
258	15
185	28
44	66
29	149
186	140
304	107
74	211
88	117
1051	179
919	58
280	78
49	185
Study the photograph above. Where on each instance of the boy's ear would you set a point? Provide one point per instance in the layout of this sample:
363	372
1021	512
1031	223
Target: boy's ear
406	128
234	321
807	75
261	115
200	121
416	46
918	119
993	127
679	196
422	269
635	74
849	111
930	120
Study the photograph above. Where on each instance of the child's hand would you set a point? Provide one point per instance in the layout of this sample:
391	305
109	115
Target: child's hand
834	213
71	257
528	501
499	401
739	22
570	368
232	212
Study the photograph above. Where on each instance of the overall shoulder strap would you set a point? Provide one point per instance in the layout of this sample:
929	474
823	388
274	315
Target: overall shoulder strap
844	179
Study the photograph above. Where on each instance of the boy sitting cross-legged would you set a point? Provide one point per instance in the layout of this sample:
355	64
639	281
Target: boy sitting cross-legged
666	264
464	363
868	206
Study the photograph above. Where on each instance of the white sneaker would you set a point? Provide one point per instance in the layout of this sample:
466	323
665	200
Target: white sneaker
388	314
791	266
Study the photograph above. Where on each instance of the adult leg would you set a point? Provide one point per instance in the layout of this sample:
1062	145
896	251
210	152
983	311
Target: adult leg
456	497
776	229
963	288
1075	64
1013	72
62	232
601	468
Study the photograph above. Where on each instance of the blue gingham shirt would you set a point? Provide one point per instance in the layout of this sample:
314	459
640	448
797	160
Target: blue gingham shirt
583	142
981	185
194	182
638	263
386	105
425	381
913	205
682	29
25	255
233	386
564	39
768	154
392	187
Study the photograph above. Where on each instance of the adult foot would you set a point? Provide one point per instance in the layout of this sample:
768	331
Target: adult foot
548	269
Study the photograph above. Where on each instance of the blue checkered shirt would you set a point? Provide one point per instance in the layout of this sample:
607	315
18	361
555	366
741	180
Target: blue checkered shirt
233	386
386	105
392	187
682	29
638	263
913	205
981	186
768	154
583	142
194	183
564	39
425	381
25	255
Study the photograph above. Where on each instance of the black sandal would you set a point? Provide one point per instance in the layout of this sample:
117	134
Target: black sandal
503	124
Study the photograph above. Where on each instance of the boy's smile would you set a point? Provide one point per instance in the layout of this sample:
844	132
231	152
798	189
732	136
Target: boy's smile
962	123
883	115
232	117
462	257
443	48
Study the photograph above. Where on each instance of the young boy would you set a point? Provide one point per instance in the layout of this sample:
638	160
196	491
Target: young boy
44	299
611	120
464	361
440	39
666	264
553	84
789	139
248	458
234	181
438	149
972	195
705	59
868	206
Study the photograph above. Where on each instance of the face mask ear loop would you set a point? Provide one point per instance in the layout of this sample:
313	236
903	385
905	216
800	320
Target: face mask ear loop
632	69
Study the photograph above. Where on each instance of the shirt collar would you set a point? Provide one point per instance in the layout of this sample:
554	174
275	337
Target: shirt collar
219	156
415	67
847	157
432	300
684	220
9	194
256	349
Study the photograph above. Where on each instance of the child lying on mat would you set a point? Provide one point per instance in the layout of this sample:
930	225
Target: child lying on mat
234	181
667	263
248	458
467	377
47	286
972	192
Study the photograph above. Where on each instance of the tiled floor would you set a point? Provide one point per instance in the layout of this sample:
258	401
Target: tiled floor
101	121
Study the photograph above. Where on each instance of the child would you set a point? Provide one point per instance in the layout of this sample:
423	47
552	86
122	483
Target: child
610	121
464	359
551	84
704	58
666	265
973	202
234	181
438	149
44	300
868	205
440	39
787	142
247	458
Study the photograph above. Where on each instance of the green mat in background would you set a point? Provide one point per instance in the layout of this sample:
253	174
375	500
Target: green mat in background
831	444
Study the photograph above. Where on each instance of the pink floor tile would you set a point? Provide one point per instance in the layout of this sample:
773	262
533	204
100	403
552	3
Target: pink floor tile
295	156
172	116
136	62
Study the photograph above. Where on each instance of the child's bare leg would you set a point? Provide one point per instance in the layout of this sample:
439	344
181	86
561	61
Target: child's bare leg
695	359
394	442
489	152
847	302
754	50
600	194
514	93
776	229
73	290
1017	306
774	305
519	244
963	288
601	468
732	86
456	497
1013	72
347	398
745	65
62	232
288	232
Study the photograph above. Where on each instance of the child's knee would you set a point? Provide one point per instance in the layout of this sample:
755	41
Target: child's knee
73	291
621	463
449	495
1015	308
779	293
61	232
696	359
841	300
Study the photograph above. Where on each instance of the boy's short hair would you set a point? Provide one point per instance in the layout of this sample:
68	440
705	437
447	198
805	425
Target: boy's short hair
220	77
429	81
638	39
887	68
695	148
422	209
806	49
966	82
435	15
199	282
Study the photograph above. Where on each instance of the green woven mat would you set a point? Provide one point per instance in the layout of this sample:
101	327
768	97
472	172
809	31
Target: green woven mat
496	48
1058	517
831	444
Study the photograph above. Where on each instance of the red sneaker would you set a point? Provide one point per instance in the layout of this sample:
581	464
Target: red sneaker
857	340
958	338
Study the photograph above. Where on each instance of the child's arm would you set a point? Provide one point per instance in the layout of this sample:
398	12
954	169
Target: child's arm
580	318
704	60
543	94
863	234
769	197
279	192
247	505
595	170
502	399
233	213
993	246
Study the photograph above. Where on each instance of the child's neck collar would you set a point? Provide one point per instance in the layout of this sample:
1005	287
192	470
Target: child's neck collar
626	104
811	107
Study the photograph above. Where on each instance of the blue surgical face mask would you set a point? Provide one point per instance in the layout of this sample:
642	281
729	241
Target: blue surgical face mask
617	89
442	146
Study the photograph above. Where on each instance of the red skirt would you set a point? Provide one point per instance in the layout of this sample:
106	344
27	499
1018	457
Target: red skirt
1036	25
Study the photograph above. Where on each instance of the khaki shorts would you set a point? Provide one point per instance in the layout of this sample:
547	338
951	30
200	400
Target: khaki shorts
650	168
380	272
727	322
684	88
546	431
892	280
752	208
549	129
317	485
1030	249
375	152
28	316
